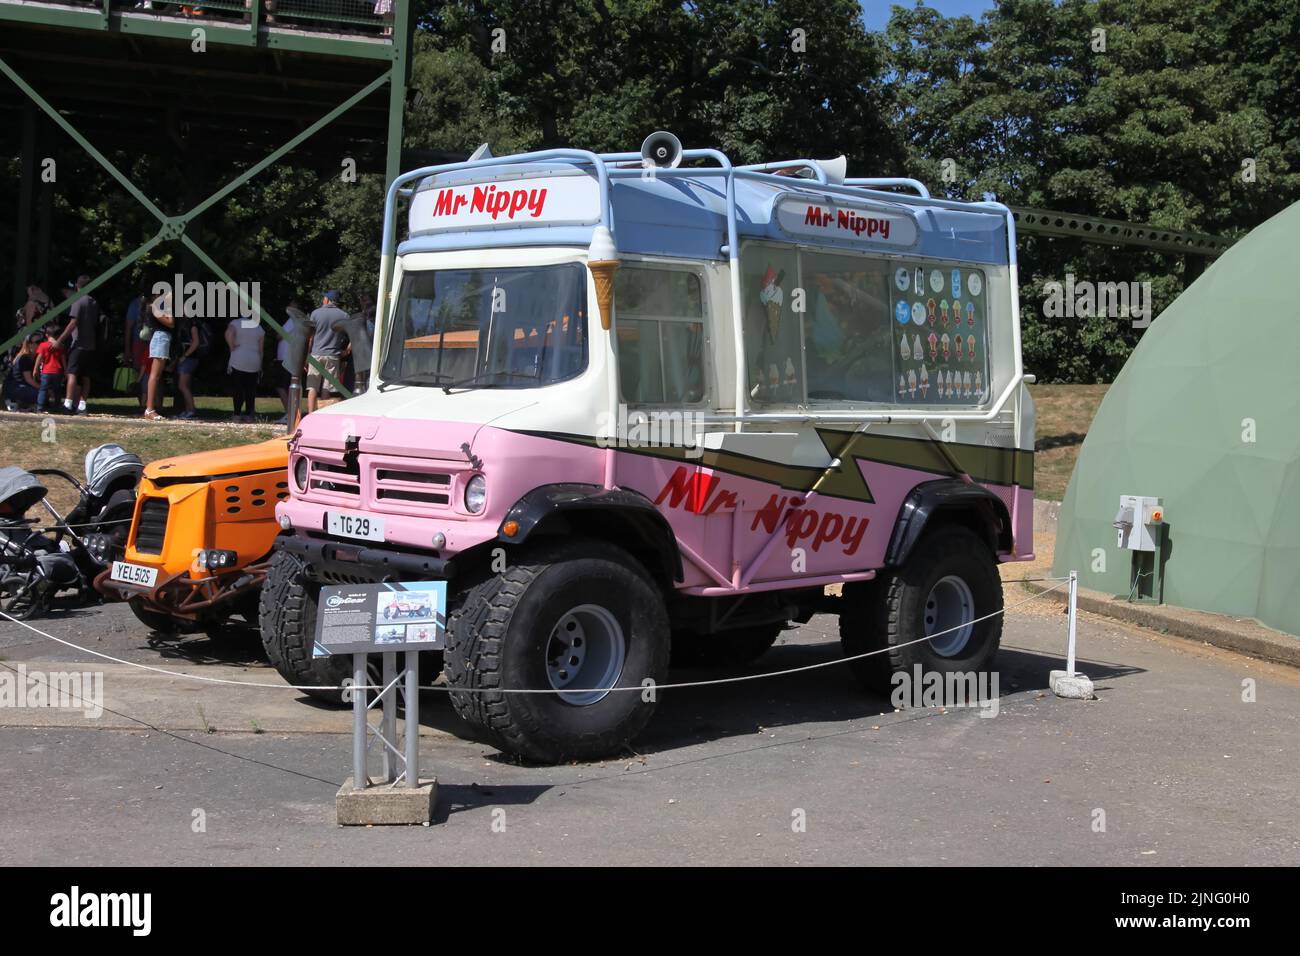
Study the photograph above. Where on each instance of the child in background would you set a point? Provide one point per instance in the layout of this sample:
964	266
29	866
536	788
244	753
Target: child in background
50	357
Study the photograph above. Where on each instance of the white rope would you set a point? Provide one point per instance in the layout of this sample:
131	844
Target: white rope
486	690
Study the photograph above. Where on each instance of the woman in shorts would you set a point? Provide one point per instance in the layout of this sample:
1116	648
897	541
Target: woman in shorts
160	350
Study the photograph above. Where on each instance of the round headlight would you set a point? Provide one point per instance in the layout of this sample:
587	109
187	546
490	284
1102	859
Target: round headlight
300	473
475	494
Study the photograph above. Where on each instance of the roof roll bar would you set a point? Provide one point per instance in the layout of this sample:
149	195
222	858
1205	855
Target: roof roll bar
875	182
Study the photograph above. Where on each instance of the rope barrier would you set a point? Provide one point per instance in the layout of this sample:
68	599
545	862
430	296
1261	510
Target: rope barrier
638	688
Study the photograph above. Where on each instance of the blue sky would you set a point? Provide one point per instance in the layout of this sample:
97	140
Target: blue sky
877	11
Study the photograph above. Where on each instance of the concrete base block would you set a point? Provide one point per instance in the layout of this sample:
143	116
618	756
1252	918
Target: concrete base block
383	805
1073	686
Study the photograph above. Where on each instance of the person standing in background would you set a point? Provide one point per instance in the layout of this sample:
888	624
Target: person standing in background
37	304
49	368
295	324
135	349
160	348
186	346
325	340
245	338
83	328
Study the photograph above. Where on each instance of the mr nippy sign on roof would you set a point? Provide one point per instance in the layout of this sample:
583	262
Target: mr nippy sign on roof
826	218
531	201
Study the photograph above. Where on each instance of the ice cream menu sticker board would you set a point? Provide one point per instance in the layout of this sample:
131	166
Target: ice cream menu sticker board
373	618
940	333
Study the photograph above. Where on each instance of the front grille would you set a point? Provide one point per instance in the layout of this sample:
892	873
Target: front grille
420	487
151	529
334	479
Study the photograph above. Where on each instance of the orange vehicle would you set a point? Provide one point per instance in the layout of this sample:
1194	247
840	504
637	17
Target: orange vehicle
201	537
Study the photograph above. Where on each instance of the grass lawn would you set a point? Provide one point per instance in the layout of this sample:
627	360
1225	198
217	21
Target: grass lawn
210	407
33	441
1064	415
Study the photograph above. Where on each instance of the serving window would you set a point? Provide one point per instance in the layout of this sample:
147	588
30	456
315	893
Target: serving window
829	327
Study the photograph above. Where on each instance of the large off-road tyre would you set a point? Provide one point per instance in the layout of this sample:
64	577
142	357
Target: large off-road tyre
950	581
728	648
578	614
287	618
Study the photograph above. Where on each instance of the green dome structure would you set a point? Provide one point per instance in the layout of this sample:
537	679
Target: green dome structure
1206	416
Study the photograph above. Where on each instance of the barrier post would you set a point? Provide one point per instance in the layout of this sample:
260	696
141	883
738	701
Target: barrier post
1069	683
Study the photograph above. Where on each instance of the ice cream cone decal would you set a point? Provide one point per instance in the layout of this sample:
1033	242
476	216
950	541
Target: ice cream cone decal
970	313
943	311
918	353
790	377
903	350
924	381
934	346
965	379
979	384
902	386
773	376
602	260
970	346
944	342
957	347
929	310
911	383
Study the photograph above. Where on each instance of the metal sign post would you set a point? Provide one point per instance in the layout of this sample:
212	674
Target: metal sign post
383	620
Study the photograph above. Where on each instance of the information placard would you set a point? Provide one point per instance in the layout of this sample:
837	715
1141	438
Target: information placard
397	616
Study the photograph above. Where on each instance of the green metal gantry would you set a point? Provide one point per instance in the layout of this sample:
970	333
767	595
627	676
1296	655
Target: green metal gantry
268	66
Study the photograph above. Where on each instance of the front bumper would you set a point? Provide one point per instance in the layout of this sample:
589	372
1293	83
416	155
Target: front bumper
329	559
184	597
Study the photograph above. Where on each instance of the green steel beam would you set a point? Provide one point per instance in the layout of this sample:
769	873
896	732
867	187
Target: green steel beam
229	33
1051	222
88	288
173	227
81	141
287	147
397	89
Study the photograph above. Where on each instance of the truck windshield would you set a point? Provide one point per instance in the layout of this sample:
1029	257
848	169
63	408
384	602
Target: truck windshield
489	328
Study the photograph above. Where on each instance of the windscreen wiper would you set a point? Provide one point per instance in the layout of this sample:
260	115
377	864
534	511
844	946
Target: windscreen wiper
427	378
477	379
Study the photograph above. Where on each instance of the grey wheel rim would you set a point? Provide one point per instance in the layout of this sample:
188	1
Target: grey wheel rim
586	651
949	612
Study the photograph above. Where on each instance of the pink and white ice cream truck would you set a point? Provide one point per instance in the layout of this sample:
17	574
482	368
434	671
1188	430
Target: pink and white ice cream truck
638	402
